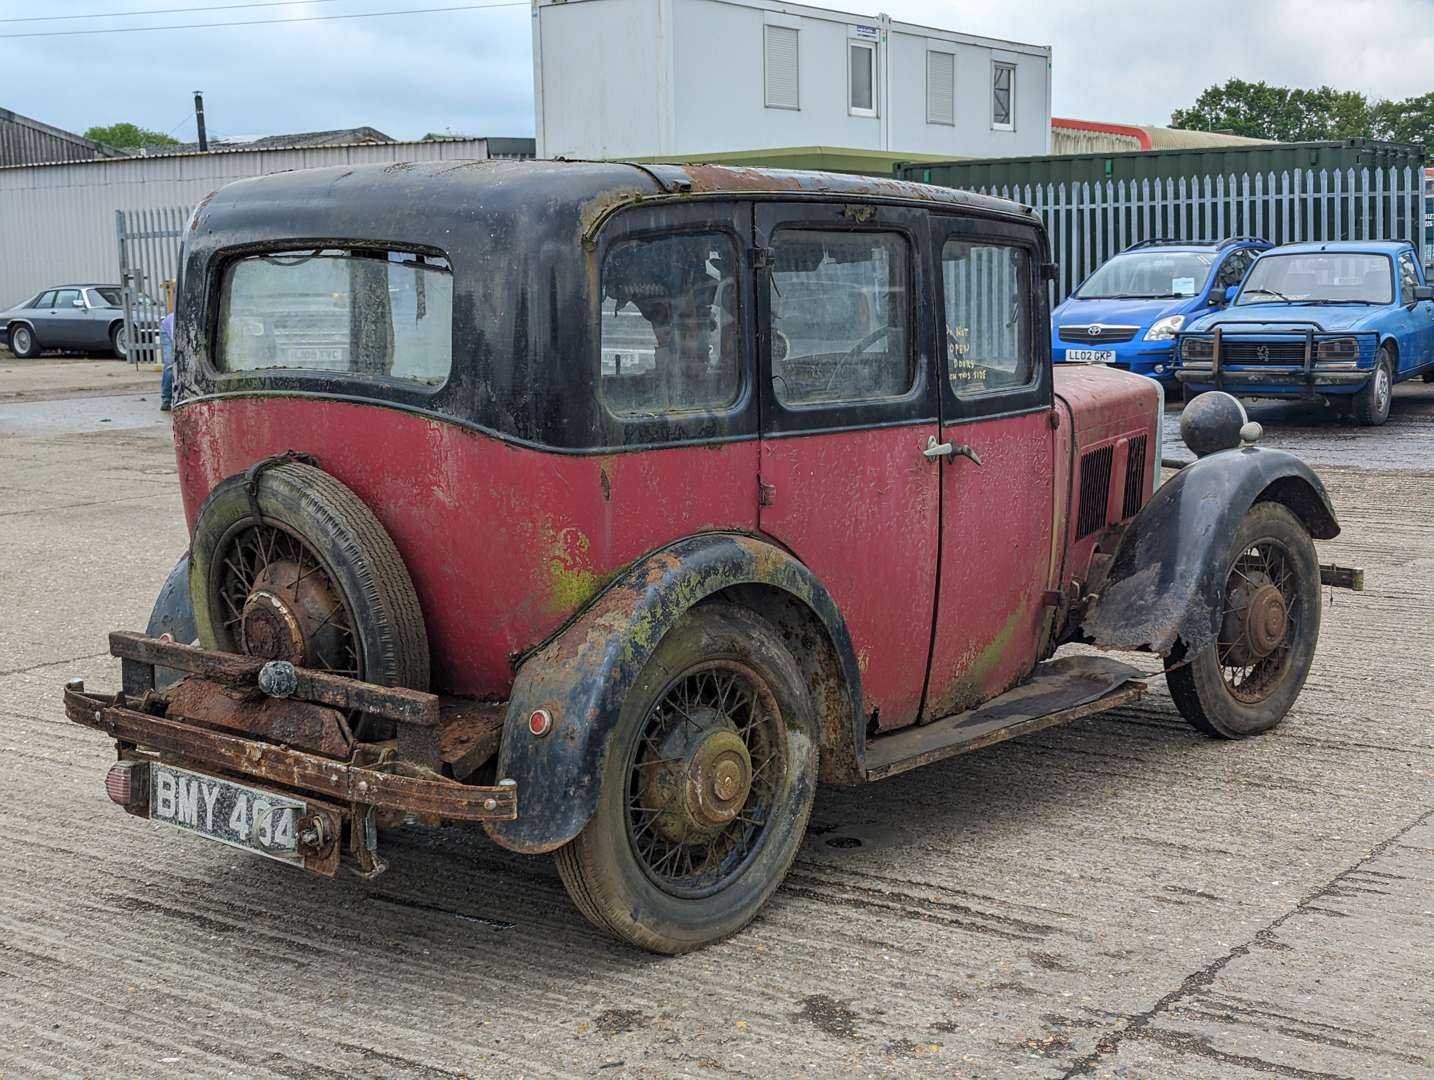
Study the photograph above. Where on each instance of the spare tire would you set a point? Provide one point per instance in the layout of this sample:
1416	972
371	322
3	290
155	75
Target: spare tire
312	578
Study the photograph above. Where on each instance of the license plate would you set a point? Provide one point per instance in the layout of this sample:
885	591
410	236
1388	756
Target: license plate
233	814
1090	356
302	356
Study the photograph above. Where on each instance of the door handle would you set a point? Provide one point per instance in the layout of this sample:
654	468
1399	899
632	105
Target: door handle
935	450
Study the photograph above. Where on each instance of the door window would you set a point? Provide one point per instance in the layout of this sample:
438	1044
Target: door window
987	298
65	298
45	299
671	338
840	316
1408	278
1233	270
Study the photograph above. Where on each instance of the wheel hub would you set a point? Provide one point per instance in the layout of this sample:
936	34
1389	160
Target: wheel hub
1256	621
702	781
285	614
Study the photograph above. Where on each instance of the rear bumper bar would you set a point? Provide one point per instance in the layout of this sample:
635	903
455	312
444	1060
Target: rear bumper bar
118	716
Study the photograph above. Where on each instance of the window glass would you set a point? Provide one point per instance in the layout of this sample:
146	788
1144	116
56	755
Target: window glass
365	313
1319	277
45	299
862	61
1408	278
987	296
671	338
65	298
1003	87
1232	271
107	297
840	316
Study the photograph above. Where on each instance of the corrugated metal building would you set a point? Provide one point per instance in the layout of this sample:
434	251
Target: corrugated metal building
24	141
57	220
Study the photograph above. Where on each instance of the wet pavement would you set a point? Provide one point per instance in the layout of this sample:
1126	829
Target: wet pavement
77	415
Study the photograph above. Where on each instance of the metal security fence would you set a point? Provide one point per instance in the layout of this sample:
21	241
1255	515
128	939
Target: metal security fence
1090	222
149	265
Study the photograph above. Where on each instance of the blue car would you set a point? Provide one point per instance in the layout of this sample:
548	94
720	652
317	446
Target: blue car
1342	320
1127	313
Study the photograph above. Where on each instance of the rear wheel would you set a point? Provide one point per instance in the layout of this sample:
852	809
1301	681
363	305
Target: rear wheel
23	343
1371	404
1246	681
706	790
313	579
119	341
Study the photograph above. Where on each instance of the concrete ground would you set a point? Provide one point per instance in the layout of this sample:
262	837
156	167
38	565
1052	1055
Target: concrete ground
1117	898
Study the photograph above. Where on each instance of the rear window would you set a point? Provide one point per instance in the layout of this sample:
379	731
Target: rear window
379	314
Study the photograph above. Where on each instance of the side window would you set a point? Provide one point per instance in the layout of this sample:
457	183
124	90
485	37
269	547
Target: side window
781	63
65	298
1003	96
46	299
841	319
1233	270
670	335
861	78
986	290
1408	278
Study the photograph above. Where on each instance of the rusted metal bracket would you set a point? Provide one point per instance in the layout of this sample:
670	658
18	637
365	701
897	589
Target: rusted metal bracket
1341	577
252	474
442	798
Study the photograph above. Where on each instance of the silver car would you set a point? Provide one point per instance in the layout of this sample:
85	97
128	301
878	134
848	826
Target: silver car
84	317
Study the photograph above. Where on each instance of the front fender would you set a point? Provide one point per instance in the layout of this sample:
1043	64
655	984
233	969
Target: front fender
1167	580
173	614
582	675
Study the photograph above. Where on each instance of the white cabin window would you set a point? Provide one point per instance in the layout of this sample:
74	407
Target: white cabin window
1003	97
940	87
861	78
782	68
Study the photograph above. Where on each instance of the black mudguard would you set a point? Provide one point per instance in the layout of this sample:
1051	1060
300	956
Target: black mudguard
173	614
582	675
1167	580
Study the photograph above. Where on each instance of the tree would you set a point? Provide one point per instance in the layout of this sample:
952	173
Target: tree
1408	121
1287	114
125	134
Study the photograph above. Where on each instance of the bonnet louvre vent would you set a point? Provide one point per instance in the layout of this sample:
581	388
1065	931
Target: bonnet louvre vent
1134	477
1094	490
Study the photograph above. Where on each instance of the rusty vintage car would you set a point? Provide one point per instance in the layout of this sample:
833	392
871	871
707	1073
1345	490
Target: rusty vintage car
614	507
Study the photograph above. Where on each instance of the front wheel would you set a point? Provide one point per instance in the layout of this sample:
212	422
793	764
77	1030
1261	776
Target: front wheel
23	343
1246	681
1371	404
707	787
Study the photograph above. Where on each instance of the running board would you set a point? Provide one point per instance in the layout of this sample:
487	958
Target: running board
1057	691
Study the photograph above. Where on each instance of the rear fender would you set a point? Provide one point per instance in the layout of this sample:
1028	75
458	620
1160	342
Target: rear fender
1167	580
581	676
173	615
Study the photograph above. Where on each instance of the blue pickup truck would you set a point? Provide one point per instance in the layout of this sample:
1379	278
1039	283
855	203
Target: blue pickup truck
1127	312
1341	320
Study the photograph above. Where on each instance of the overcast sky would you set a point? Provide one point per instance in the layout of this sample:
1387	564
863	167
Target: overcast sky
471	72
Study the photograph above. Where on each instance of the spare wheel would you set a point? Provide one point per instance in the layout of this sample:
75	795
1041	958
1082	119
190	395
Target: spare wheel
301	570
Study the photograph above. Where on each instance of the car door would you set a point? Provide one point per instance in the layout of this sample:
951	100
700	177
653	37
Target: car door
67	322
849	411
996	483
1414	319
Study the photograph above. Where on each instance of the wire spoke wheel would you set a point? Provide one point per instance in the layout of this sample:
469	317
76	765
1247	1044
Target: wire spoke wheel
704	778
274	598
1259	622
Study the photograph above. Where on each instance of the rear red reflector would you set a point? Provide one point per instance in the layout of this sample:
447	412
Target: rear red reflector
127	783
540	722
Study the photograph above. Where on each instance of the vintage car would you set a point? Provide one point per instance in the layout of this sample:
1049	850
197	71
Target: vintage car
1341	321
562	498
81	317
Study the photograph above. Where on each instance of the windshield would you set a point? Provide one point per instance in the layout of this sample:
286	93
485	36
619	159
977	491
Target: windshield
1319	277
1149	275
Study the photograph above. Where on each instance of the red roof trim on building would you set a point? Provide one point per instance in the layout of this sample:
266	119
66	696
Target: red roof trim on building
1112	129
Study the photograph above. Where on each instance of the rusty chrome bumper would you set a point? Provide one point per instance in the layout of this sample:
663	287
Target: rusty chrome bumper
402	778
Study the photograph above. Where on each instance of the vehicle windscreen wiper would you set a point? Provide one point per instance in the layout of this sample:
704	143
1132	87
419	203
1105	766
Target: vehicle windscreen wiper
1321	302
1272	292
